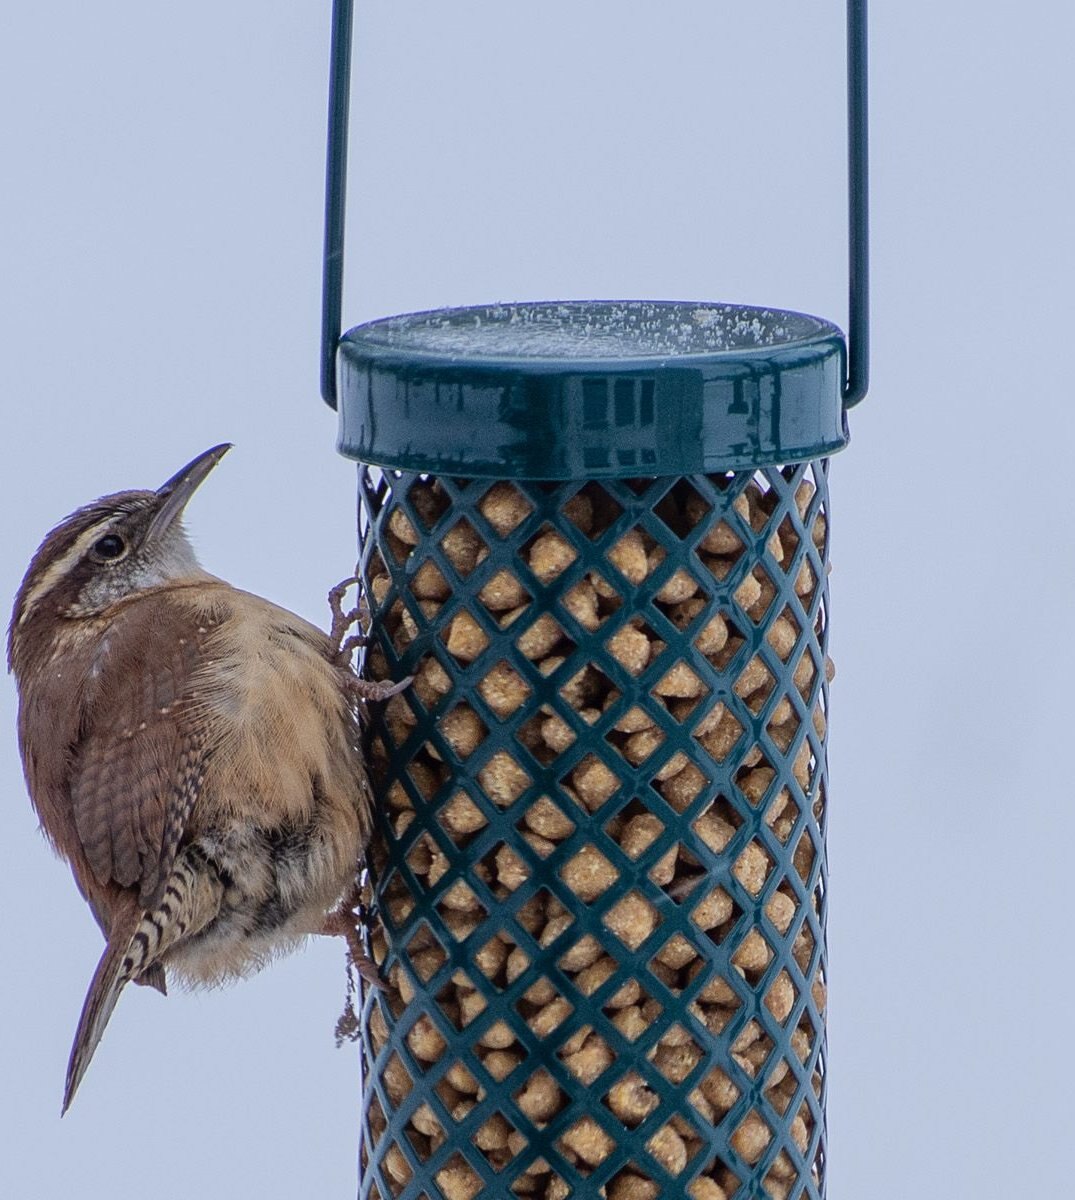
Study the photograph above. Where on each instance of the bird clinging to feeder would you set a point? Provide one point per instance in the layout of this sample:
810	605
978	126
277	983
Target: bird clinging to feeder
192	751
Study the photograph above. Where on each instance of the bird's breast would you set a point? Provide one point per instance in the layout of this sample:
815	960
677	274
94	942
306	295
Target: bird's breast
278	722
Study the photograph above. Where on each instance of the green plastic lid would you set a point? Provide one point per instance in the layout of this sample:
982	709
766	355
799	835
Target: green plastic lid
590	389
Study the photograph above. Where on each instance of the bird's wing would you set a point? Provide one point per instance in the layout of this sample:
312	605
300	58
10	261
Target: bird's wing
140	759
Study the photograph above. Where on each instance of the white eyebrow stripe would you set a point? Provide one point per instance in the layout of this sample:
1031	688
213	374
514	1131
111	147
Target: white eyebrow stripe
60	568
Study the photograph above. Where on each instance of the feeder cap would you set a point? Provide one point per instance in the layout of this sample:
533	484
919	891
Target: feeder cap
591	389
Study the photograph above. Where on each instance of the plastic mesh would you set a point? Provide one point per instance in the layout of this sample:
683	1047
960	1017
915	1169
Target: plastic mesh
599	871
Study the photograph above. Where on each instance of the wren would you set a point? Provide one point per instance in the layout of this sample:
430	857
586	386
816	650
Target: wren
192	751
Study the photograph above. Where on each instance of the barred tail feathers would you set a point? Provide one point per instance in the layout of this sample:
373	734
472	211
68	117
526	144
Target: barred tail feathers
190	899
107	983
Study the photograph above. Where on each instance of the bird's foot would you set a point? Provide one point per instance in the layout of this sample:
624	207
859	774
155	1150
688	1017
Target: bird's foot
341	620
374	689
346	921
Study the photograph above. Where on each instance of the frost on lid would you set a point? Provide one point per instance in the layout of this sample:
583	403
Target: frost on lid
591	330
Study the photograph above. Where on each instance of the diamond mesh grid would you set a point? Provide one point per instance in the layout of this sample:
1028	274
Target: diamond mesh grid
599	871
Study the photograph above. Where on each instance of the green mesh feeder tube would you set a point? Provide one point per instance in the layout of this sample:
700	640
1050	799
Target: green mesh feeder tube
600	865
596	534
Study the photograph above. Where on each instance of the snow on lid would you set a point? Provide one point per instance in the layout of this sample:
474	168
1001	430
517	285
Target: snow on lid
590	330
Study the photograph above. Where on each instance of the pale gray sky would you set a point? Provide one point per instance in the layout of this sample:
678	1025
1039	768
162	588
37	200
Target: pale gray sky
159	242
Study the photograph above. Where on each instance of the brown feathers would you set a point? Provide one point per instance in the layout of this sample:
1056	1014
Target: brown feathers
191	750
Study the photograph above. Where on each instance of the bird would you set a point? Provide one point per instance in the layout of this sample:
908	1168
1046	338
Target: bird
192	751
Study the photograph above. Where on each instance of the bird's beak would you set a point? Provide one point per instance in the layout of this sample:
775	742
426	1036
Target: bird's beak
178	490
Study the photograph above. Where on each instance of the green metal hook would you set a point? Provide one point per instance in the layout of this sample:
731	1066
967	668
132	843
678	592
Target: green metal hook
858	339
858	205
339	98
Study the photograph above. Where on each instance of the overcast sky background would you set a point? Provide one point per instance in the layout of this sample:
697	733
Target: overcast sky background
160	232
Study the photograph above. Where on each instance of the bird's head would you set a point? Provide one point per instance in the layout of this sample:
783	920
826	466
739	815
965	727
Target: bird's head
112	548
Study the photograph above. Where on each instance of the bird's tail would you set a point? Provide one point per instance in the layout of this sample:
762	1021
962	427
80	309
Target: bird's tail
190	899
107	983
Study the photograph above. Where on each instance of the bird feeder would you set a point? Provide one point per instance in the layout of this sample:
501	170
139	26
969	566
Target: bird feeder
596	535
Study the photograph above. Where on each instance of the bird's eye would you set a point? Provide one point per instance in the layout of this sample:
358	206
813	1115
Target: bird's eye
110	546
